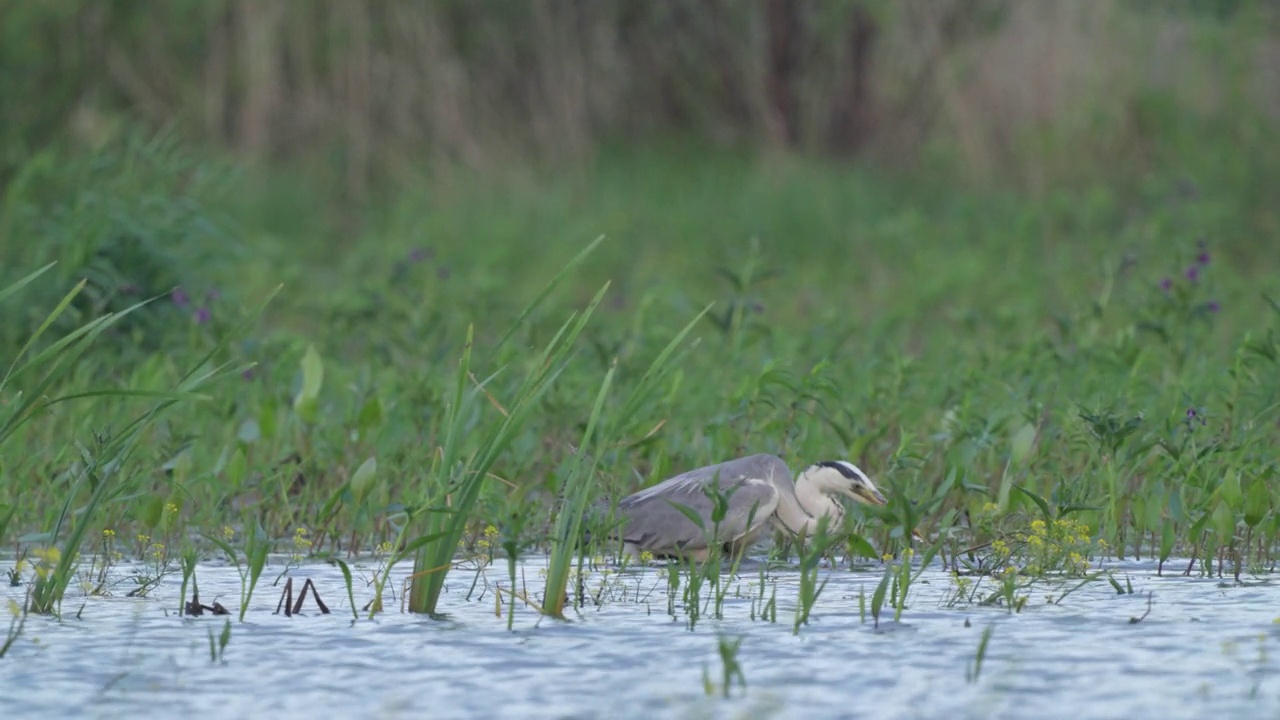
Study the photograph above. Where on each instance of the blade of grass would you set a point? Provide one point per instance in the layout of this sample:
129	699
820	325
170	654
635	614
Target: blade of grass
462	486
576	492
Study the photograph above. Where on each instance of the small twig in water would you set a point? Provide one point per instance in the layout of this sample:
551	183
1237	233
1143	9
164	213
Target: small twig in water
1136	620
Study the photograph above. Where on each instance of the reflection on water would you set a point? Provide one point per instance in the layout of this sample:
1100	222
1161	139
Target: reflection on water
1204	650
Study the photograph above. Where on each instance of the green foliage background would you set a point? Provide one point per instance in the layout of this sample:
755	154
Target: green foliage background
968	302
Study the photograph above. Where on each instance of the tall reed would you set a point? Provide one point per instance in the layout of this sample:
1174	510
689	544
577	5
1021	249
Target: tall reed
579	482
457	479
103	463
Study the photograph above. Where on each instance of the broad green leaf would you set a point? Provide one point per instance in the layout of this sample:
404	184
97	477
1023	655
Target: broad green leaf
1039	501
362	480
1021	443
370	416
1257	503
236	469
1166	539
312	380
1224	523
858	545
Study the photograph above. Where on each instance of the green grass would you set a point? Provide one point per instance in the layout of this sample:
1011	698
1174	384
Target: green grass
992	359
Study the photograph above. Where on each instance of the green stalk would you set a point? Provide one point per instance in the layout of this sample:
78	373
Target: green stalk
459	480
105	463
577	485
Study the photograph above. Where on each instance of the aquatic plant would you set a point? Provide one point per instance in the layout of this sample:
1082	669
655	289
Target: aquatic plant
810	559
218	644
257	546
458	476
973	670
17	621
101	466
409	400
600	433
730	668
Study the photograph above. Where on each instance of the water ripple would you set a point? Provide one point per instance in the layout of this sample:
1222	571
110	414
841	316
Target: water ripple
1204	649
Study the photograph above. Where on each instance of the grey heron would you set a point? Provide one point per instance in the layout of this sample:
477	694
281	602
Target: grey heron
761	494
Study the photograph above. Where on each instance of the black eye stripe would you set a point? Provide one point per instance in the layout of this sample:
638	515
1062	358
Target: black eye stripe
840	467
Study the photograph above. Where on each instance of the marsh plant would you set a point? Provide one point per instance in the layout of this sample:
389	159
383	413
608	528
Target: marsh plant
973	669
249	565
460	405
810	560
17	621
218	643
706	582
98	475
730	668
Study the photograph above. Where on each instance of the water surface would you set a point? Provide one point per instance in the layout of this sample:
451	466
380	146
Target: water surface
1204	650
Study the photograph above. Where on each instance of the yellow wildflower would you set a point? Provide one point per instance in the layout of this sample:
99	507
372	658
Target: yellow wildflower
49	554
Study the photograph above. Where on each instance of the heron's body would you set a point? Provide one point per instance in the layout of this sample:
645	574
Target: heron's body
761	495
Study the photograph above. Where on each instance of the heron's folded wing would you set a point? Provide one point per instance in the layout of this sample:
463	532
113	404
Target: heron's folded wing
654	522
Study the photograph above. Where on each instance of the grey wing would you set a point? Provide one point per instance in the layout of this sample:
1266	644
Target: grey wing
654	523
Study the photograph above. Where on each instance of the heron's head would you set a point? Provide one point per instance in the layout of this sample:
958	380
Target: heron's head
844	478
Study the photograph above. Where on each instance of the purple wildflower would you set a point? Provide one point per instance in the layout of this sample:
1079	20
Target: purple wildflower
1193	273
1191	413
1166	284
418	255
180	297
203	315
1203	257
1213	306
247	375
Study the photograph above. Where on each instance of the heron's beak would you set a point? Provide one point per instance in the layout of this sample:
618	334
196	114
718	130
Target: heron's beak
870	496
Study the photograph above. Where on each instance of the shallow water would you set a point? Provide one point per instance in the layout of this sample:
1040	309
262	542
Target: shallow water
1203	650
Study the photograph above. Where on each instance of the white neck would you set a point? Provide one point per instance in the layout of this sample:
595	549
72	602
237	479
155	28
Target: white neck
801	513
